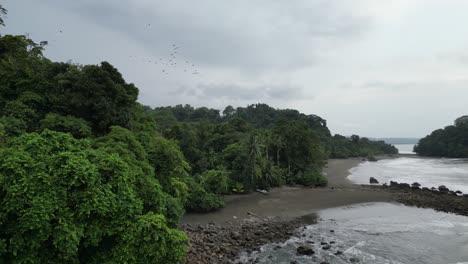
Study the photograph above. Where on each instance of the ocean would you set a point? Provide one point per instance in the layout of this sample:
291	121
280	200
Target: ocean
429	172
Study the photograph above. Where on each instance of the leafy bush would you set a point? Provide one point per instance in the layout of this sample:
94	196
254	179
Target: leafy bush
215	181
200	200
311	177
237	187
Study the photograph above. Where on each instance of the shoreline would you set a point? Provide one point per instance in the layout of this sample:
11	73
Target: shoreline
251	220
286	203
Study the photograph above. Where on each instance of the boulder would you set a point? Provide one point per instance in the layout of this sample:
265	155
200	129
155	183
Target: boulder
442	188
373	180
326	247
305	250
416	184
235	235
458	192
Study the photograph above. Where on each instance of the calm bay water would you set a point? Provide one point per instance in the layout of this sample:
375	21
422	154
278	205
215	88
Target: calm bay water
376	233
405	148
429	172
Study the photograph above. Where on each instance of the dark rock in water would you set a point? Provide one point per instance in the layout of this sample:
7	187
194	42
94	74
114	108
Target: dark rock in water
305	250
353	260
332	231
332	242
339	252
373	180
324	262
293	262
458	192
323	243
442	188
326	247
277	247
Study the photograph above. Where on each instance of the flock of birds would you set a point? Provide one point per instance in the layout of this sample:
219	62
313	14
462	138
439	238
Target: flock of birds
168	64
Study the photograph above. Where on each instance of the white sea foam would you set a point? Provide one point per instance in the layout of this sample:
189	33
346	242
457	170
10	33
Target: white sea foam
453	173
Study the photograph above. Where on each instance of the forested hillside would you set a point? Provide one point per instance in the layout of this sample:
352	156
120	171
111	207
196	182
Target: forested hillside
451	141
89	175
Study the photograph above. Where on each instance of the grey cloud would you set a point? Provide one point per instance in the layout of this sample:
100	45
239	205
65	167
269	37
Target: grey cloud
242	92
250	36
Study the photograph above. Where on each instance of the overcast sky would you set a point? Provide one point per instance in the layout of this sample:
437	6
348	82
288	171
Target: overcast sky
374	68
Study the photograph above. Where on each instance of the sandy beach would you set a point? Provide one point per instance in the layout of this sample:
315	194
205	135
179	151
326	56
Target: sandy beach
291	202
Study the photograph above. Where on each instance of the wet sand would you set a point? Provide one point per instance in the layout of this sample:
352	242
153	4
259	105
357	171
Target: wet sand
290	202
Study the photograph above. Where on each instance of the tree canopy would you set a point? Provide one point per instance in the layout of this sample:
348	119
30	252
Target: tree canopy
451	141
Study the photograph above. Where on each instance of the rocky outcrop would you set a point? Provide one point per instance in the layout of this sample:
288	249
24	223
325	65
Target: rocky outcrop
373	180
305	250
444	189
213	243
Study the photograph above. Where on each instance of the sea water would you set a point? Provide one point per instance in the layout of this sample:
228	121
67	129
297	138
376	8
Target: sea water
429	172
405	148
375	233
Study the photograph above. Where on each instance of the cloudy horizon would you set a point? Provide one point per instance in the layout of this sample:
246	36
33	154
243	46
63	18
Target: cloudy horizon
377	69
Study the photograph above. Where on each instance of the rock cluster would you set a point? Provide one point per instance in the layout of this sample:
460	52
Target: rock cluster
440	199
213	243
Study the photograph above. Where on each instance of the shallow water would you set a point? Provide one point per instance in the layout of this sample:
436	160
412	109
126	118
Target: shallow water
376	233
429	172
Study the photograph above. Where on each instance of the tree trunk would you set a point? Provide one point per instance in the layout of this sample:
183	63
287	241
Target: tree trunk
277	157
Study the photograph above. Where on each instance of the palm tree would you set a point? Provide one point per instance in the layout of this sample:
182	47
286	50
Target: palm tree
253	155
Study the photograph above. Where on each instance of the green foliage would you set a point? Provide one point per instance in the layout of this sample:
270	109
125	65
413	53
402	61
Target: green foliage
355	146
63	202
3	12
200	200
310	177
215	181
97	94
452	141
79	128
237	187
148	240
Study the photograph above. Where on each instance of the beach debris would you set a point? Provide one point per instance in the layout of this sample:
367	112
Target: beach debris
373	180
252	214
262	191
